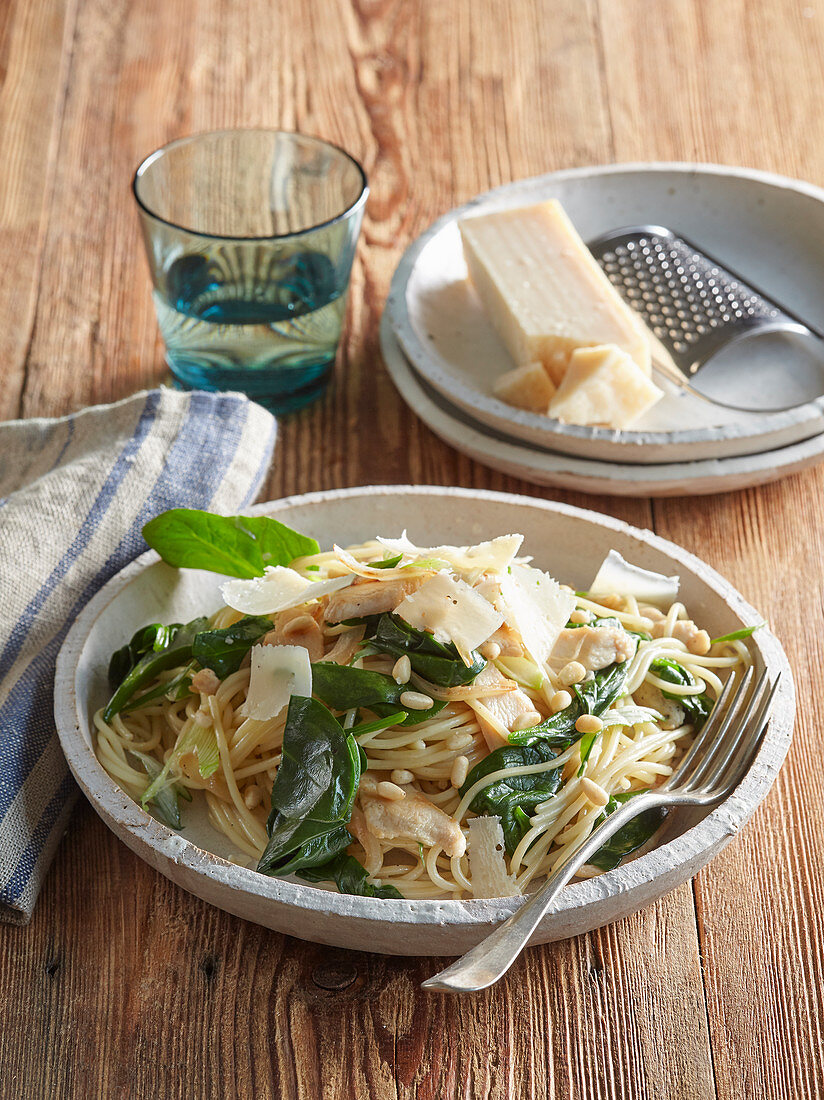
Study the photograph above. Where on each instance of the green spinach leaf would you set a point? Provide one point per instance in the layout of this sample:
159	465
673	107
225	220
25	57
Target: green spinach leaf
223	650
235	546
513	798
345	688
591	697
313	792
439	663
350	876
696	707
738	635
151	638
630	837
178	651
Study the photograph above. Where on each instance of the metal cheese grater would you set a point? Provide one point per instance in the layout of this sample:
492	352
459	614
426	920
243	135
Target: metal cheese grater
692	303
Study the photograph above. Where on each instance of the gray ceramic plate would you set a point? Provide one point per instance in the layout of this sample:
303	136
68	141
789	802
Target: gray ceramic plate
768	227
568	541
513	456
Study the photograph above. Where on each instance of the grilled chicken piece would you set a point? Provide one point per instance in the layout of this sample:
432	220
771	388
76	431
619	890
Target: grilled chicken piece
685	630
412	818
297	626
497	714
594	646
369	598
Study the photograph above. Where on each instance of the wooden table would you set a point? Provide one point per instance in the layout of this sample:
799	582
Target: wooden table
123	985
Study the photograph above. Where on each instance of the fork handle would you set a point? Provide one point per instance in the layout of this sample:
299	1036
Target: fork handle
485	963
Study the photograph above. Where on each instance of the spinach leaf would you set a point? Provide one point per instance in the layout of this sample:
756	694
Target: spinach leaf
178	651
345	688
439	663
236	546
177	688
313	792
513	797
696	707
738	635
153	637
387	563
630	837
591	697
350	877
223	650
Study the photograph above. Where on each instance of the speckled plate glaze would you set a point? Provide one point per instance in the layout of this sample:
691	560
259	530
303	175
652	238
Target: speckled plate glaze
511	456
766	226
569	541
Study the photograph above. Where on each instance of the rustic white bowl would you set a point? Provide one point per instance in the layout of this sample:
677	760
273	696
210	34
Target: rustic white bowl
568	541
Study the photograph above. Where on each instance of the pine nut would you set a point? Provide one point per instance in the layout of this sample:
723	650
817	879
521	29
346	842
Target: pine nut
700	644
415	700
614	603
589	723
419	745
459	740
460	767
579	616
401	776
490	650
526	721
573	673
252	797
596	794
559	701
390	791
402	670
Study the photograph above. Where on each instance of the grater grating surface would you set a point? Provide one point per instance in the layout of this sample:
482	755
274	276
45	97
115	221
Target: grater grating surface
692	303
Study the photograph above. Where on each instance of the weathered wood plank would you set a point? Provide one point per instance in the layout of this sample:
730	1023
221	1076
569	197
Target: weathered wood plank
35	46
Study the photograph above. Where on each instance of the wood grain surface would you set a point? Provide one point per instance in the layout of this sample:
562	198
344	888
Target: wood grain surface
123	985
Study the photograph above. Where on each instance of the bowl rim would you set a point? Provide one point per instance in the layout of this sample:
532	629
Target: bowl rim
489	409
155	842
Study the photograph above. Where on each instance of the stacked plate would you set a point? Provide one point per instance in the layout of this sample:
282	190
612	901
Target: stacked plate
444	355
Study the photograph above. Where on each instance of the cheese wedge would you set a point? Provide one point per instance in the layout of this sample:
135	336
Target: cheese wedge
544	291
603	386
527	387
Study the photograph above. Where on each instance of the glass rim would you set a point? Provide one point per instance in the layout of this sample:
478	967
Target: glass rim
345	213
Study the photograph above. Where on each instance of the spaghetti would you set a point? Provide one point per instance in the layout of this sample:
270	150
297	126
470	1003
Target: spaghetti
420	784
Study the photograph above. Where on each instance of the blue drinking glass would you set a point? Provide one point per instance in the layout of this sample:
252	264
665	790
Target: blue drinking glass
250	236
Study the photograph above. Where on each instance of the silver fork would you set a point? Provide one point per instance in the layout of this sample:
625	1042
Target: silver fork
710	770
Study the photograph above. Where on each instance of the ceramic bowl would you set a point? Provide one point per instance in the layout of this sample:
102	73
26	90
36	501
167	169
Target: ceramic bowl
570	543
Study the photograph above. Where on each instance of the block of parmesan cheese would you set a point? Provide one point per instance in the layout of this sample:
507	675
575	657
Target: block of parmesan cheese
544	291
526	387
603	386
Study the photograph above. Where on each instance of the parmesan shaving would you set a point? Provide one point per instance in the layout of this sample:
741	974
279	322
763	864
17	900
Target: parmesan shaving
487	862
277	590
453	612
618	577
537	608
278	673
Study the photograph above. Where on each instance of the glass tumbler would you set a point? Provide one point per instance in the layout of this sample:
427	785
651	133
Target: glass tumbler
250	236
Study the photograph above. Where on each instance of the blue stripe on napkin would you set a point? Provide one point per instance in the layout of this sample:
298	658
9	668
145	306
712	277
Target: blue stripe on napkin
70	522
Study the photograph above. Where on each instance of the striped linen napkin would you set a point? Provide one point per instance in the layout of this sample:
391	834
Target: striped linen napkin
74	495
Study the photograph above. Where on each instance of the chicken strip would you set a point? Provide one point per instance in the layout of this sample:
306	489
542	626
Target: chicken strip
412	818
498	714
369	598
595	647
